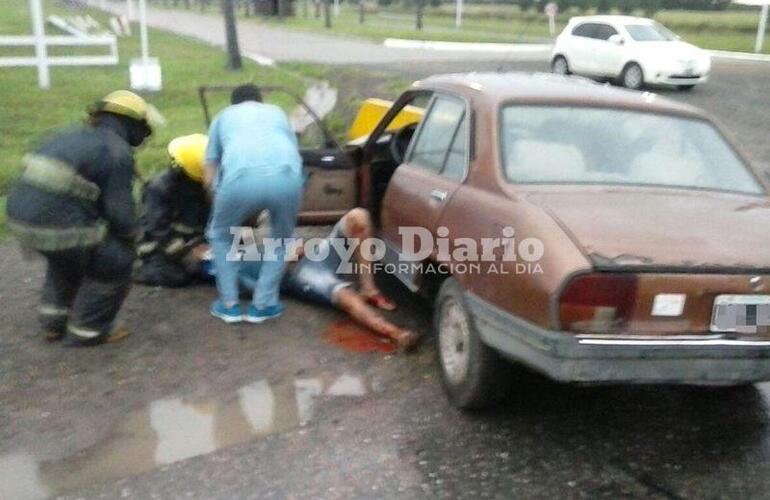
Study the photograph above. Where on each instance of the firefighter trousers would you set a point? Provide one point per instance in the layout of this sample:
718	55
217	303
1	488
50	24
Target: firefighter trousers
84	289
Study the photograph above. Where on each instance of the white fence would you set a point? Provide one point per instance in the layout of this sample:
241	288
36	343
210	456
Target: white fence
41	42
108	41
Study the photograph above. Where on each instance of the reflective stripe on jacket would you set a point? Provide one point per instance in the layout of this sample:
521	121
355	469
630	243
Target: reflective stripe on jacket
56	176
52	239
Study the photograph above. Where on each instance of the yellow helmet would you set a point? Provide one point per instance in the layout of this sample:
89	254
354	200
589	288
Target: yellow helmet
189	152
125	103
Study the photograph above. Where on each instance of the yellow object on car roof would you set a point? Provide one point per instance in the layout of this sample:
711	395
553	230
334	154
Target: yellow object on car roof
371	112
189	152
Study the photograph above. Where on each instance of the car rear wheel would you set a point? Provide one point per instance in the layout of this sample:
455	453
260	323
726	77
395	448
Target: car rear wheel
560	66
632	76
470	370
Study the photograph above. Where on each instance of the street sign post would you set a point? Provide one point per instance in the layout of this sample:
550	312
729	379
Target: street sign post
145	72
765	8
761	29
551	10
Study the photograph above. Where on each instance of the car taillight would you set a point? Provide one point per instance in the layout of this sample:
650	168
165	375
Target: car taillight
597	302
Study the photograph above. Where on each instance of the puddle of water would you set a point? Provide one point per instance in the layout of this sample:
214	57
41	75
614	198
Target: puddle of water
353	337
172	429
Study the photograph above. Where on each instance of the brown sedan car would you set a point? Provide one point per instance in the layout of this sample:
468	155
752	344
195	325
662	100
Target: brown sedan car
590	233
639	233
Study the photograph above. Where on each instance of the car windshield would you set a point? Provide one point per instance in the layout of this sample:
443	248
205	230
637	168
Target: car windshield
579	145
650	33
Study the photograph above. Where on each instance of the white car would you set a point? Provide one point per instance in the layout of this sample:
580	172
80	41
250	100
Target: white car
633	51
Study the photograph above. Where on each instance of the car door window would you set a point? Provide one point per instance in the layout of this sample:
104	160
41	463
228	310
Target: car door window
437	133
457	158
604	32
585	30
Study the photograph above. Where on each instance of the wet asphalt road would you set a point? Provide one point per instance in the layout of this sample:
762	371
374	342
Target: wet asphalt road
189	408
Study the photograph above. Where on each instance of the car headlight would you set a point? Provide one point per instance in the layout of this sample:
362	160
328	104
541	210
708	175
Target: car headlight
705	63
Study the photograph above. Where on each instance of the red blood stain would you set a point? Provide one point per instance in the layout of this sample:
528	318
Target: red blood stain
353	337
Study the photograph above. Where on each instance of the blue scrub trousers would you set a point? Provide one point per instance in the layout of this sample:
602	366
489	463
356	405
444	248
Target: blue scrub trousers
238	197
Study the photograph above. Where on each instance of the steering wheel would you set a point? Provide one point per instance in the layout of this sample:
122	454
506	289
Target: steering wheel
399	142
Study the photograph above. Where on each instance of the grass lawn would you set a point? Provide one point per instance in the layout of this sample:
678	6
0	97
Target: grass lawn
710	30
379	26
28	113
725	30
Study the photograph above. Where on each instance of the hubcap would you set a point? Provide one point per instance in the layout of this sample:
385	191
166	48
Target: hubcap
454	337
633	77
560	66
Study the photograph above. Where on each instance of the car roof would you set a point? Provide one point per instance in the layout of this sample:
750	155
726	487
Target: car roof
611	19
497	88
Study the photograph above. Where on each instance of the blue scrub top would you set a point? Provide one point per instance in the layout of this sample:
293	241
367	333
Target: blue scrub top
253	136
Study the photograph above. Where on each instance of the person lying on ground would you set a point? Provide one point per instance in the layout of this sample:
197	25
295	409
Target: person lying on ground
319	281
175	212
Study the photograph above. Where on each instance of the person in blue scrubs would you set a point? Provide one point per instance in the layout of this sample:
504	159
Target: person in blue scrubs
252	164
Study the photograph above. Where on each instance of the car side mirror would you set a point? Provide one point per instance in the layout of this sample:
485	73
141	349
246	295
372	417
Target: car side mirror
616	39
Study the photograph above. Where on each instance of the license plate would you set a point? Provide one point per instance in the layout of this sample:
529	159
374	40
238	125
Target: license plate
741	314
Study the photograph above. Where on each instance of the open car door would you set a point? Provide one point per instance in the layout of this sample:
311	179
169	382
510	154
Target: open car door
331	179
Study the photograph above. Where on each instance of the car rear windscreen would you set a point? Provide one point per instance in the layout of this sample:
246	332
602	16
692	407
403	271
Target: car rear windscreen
582	145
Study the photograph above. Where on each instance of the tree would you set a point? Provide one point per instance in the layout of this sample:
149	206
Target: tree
627	6
525	5
650	7
231	32
582	5
420	7
603	6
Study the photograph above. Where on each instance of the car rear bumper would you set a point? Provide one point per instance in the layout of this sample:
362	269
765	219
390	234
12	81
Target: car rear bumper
565	356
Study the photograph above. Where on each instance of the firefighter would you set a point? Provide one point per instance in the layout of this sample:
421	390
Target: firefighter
176	210
73	205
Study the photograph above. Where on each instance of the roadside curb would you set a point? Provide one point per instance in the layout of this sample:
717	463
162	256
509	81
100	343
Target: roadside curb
401	43
740	56
260	59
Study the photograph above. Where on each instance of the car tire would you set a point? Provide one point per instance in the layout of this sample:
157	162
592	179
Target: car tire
472	373
685	88
632	76
560	66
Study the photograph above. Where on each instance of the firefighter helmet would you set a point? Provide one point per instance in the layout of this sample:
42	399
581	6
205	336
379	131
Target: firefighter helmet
125	103
188	152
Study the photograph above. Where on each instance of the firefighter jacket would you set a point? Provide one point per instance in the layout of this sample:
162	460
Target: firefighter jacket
75	189
175	212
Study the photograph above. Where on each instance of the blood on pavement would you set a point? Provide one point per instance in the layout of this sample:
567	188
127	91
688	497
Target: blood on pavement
353	337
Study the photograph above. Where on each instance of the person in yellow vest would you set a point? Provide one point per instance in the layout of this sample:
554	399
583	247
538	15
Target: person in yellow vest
74	205
175	212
